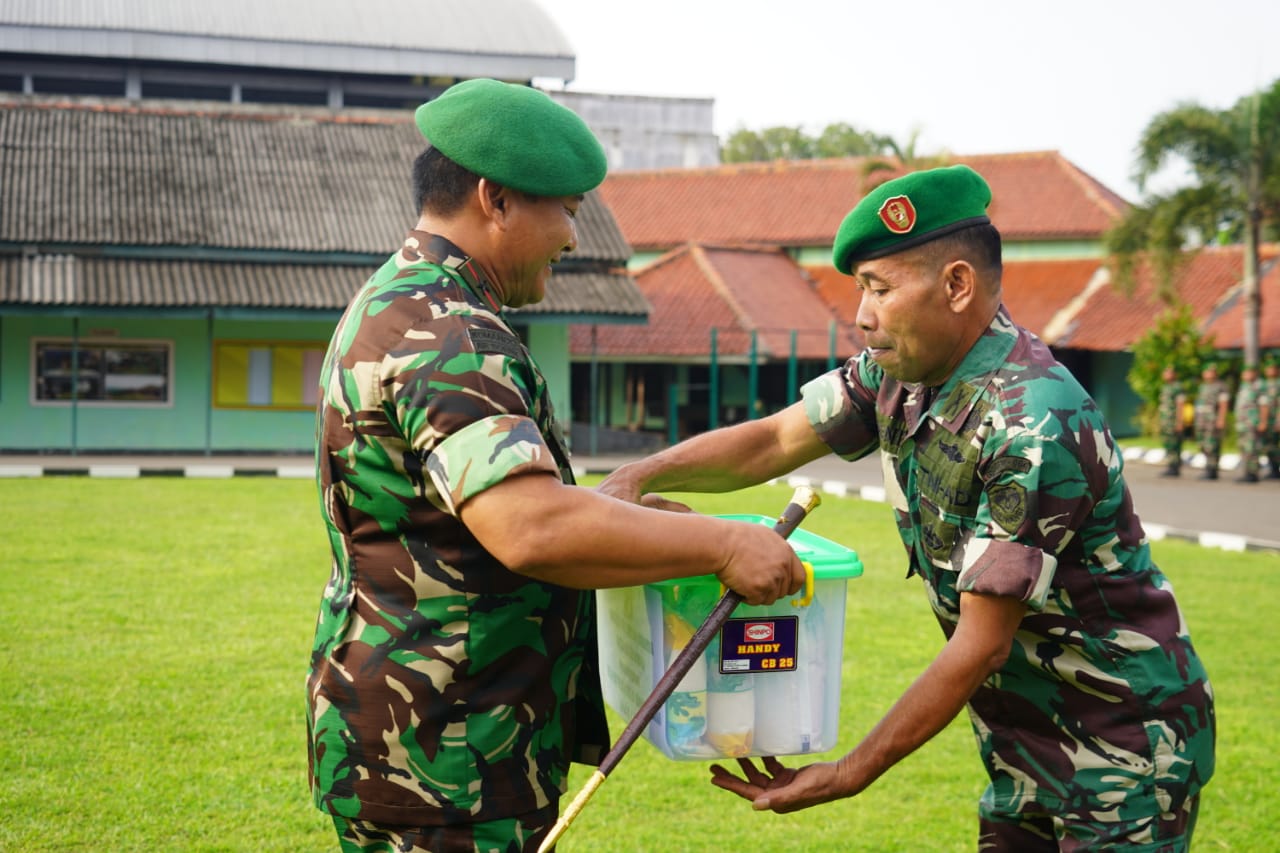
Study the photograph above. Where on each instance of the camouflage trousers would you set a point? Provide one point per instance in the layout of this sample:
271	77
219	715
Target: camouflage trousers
1172	448
1045	833
1271	447
1250	442
1211	446
518	834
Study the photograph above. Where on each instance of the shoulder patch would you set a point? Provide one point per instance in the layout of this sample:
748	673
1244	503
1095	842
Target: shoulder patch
1008	503
1007	464
495	341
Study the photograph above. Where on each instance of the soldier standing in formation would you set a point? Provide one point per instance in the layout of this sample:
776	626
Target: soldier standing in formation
1271	417
1211	419
1250	422
1172	399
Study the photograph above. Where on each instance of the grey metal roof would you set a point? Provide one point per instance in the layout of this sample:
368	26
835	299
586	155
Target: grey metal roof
64	281
220	176
510	39
156	185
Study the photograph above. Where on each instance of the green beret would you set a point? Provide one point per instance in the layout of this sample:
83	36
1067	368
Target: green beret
910	211
515	136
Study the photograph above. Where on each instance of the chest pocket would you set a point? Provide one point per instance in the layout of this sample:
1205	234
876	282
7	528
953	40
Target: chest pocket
936	472
947	489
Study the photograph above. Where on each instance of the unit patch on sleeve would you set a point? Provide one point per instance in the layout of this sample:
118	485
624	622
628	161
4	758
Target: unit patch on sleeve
1008	502
497	342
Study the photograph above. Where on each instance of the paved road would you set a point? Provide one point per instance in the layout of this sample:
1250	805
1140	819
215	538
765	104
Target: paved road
1221	513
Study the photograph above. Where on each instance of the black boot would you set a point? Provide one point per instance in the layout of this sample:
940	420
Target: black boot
1247	477
1209	474
1171	471
1274	473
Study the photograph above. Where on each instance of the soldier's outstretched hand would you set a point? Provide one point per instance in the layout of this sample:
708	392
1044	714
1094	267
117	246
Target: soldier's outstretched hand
773	787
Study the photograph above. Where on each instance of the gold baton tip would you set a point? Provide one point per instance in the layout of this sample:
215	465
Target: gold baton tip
596	780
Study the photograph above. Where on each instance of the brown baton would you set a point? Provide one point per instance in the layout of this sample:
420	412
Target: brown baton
803	501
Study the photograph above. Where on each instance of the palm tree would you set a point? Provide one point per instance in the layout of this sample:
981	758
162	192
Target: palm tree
906	157
1234	156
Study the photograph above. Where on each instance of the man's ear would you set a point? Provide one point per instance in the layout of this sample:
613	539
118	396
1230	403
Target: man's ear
494	200
961	281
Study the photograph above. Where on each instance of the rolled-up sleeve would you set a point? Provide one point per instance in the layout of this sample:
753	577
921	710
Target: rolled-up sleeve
484	454
994	567
841	408
464	399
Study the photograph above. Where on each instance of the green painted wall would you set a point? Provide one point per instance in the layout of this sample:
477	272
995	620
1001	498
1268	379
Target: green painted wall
1052	250
187	424
548	343
1110	387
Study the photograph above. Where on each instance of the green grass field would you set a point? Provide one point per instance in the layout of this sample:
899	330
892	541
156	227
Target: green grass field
155	642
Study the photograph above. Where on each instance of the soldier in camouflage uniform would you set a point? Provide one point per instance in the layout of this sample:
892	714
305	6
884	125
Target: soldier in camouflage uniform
453	675
1249	412
1212	401
1172	398
1271	417
1092	712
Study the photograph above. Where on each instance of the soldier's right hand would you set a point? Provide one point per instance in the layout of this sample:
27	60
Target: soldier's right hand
760	565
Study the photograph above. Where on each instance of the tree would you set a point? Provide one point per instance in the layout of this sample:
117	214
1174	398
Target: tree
907	157
1172	340
1234	157
792	143
845	140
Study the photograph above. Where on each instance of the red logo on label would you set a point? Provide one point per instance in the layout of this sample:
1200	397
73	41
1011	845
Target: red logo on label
898	214
758	631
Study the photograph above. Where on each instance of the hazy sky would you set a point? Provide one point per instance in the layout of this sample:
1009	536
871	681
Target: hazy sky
1083	78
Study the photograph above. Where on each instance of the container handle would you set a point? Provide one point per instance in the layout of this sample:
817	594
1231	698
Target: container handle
807	598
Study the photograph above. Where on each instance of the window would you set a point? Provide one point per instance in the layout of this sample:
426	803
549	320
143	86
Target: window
117	372
260	375
187	91
265	95
71	85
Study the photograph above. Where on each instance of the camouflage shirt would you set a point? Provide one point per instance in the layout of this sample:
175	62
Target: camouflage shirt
1170	407
1271	394
1006	482
1250	398
444	688
1211	396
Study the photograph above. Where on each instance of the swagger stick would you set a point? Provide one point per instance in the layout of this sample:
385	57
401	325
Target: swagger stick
803	501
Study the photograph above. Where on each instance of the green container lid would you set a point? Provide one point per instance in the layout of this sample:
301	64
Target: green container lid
830	560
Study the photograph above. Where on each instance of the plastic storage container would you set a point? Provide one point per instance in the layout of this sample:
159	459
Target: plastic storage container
769	681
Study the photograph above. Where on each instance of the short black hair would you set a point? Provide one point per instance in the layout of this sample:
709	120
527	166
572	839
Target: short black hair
440	186
978	244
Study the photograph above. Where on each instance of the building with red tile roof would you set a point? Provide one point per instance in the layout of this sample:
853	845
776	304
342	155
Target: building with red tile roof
1226	322
1208	280
746	247
1037	196
748	314
735	290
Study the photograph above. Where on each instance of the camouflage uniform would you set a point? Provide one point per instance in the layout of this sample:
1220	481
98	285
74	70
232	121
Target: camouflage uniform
1249	426
1007	482
1170	410
444	688
1271	434
1212	394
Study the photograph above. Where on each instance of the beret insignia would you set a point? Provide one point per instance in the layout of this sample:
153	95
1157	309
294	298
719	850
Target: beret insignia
898	214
